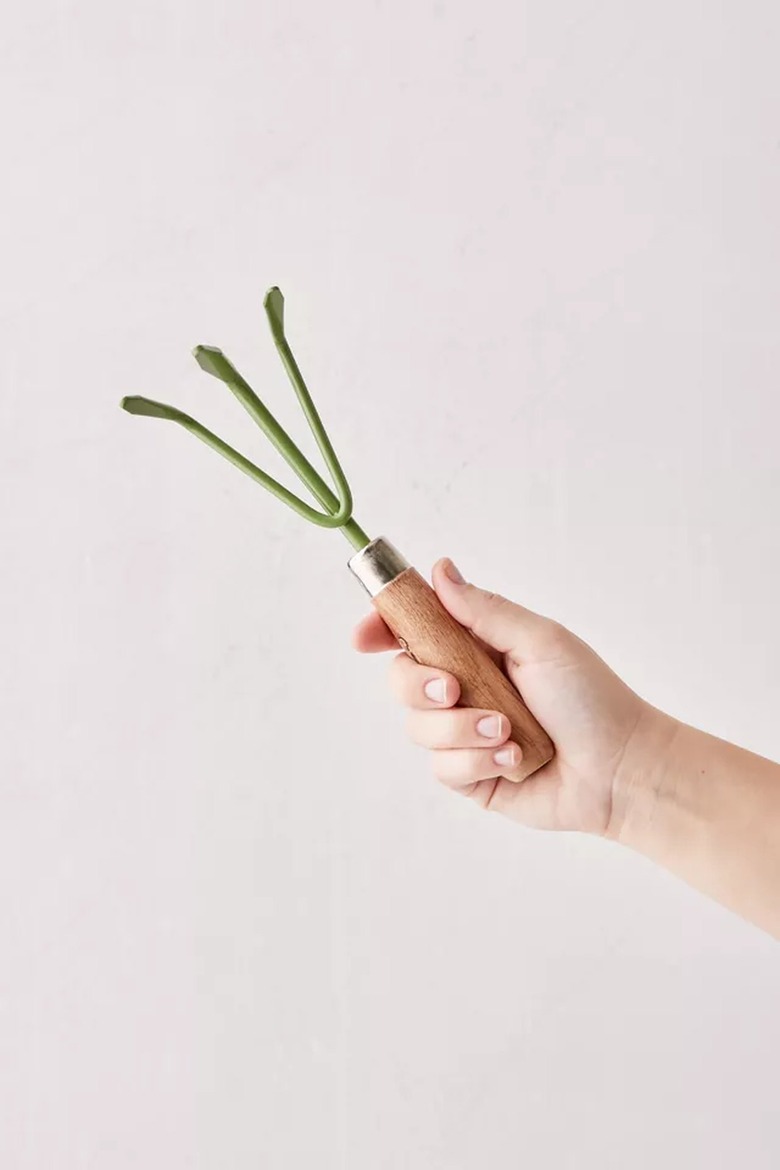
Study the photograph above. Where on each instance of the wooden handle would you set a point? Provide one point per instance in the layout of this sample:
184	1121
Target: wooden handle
432	636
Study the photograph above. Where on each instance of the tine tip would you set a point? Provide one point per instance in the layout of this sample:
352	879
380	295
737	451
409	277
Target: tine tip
134	404
273	303
212	360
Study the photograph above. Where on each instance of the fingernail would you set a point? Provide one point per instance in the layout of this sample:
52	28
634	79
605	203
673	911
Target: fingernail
454	573
506	757
436	690
489	726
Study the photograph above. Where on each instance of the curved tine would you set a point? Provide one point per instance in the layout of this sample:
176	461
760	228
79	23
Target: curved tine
273	303
213	361
146	406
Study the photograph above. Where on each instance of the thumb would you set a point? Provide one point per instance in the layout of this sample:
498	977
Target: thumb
507	627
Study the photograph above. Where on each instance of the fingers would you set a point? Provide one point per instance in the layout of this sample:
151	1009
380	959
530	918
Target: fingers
467	744
502	624
460	727
471	749
371	635
422	687
463	768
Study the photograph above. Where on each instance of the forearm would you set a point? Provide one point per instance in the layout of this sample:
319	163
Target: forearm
706	810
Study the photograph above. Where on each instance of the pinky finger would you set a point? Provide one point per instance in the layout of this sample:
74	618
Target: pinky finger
462	768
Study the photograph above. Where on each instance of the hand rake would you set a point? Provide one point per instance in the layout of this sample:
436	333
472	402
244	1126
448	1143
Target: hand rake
408	605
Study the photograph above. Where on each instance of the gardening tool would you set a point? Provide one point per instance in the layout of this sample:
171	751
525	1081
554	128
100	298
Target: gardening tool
408	605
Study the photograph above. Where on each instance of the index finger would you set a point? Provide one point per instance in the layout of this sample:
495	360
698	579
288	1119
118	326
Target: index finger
371	635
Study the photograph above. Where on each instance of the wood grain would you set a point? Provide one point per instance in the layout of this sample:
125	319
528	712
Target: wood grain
423	627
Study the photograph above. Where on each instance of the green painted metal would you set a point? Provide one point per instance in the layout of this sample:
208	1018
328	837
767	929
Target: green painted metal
337	505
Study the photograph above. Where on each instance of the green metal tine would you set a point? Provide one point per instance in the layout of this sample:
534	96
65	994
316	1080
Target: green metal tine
338	507
152	409
273	303
214	362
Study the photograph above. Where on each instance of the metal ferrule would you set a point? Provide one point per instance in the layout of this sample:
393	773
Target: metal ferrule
377	565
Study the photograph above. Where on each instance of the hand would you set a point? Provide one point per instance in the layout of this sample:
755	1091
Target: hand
598	724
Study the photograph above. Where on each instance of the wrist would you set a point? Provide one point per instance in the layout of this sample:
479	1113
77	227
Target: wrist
704	809
644	783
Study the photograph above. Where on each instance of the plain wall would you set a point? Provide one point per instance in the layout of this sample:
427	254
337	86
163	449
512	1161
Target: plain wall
532	267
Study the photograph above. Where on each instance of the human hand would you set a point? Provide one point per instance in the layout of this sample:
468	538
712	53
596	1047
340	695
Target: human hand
600	727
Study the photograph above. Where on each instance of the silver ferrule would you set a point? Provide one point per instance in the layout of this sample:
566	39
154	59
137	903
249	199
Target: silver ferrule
377	565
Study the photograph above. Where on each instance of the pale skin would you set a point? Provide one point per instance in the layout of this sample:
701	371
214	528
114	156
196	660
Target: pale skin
701	807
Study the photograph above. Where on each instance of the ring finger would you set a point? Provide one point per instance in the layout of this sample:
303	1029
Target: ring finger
458	727
462	767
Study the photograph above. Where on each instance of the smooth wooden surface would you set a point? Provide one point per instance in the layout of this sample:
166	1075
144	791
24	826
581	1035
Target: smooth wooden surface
422	625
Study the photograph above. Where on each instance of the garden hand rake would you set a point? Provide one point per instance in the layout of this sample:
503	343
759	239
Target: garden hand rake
408	605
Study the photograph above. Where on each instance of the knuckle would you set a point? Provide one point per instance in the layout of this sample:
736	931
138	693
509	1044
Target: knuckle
557	639
398	675
431	729
441	771
444	728
453	767
494	600
413	729
490	606
494	603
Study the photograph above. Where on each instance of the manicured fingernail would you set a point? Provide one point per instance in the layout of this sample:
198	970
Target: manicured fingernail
489	726
436	690
507	756
454	573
